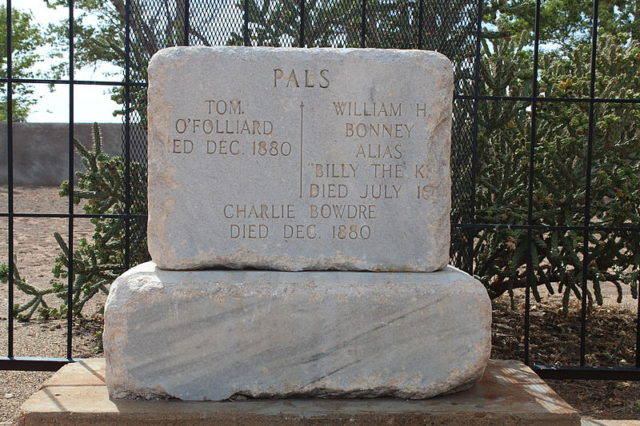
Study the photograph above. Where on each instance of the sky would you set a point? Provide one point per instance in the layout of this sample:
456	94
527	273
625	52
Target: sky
92	103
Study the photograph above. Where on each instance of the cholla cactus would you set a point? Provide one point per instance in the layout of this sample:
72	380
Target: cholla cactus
560	161
99	260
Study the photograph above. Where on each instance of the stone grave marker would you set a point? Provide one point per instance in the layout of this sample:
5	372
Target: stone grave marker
298	159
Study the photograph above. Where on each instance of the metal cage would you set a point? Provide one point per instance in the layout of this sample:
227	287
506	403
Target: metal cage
451	27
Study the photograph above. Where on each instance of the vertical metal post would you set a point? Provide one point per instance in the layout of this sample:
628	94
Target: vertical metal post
301	42
186	23
532	148
127	133
10	181
363	24
245	27
474	132
70	276
638	329
421	25
587	201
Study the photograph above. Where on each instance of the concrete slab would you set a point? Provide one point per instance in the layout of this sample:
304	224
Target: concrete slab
508	394
41	150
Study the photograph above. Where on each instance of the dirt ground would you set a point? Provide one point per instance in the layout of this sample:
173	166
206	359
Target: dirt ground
36	250
554	336
555	340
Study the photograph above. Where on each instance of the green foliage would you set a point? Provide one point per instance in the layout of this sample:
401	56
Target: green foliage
275	23
27	37
560	154
560	161
99	260
337	23
24	312
564	22
99	28
99	38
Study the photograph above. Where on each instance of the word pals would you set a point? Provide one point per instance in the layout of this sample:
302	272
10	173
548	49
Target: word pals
301	78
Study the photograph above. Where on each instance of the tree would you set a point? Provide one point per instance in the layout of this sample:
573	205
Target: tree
27	36
563	22
99	29
560	156
389	24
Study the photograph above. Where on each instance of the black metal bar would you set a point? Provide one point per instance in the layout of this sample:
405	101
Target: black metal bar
587	373
186	23
10	182
587	202
127	133
363	23
547	99
421	26
70	271
301	42
456	96
33	363
494	226
497	226
245	25
530	178
474	129
586	228
545	372
76	215
75	82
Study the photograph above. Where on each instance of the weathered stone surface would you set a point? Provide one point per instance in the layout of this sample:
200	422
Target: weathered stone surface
297	159
508	393
209	335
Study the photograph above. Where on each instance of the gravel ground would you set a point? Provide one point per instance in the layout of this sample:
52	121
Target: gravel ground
39	338
36	250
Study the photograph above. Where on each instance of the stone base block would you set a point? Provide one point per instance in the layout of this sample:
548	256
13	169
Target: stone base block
509	393
214	335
